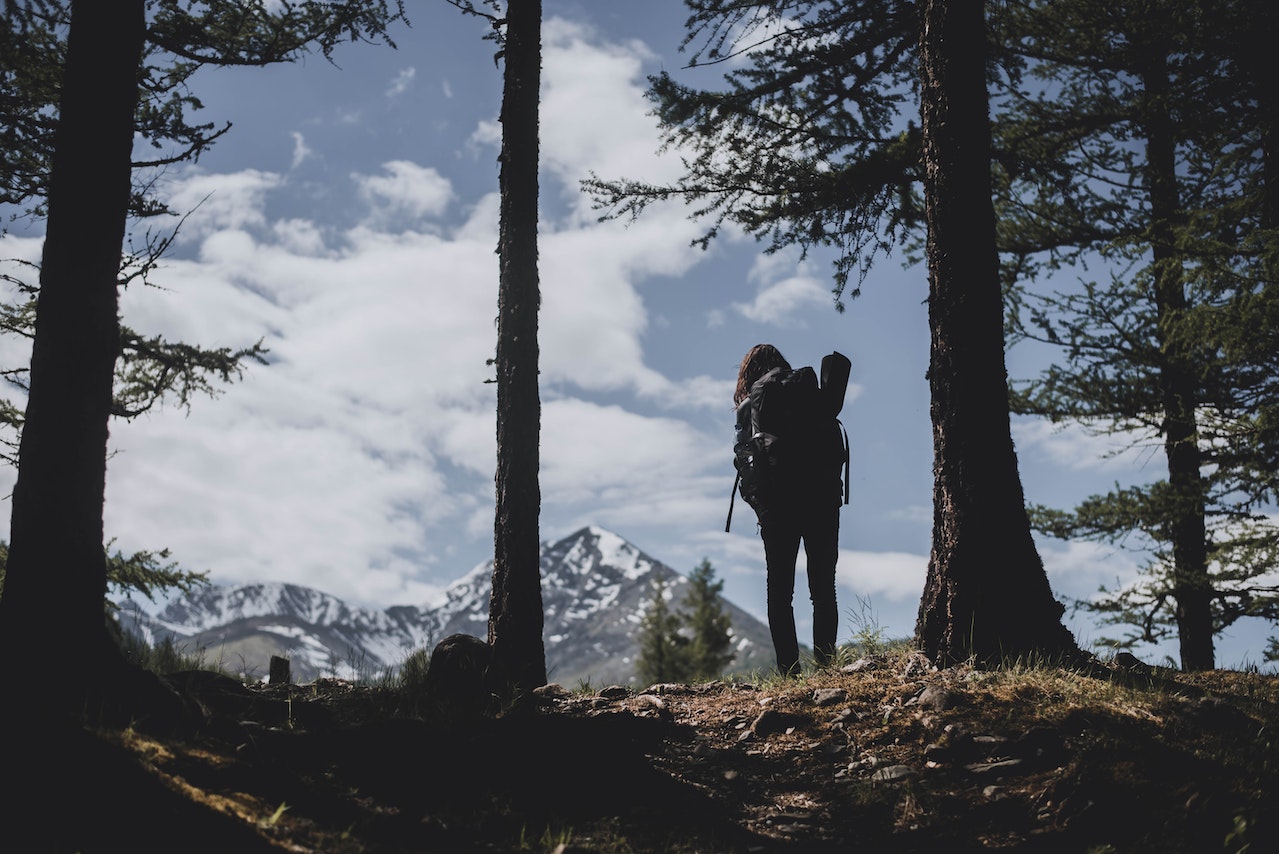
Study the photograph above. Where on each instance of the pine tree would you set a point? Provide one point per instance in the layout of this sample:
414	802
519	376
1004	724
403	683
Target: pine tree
1155	155
986	594
56	560
515	612
57	567
663	649
709	625
515	604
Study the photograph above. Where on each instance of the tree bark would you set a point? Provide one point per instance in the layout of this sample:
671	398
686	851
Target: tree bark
986	594
515	608
55	588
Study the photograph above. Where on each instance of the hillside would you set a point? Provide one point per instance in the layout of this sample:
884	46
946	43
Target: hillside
882	754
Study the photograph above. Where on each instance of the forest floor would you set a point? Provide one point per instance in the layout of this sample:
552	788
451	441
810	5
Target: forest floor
883	754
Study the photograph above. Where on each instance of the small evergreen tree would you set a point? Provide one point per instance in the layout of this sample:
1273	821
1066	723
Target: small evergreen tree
710	648
663	650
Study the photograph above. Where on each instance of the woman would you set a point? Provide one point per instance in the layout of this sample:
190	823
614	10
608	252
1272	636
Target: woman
803	507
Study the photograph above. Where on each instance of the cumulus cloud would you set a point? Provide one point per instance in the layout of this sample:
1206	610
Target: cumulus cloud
222	202
1076	447
896	576
584	75
785	287
404	194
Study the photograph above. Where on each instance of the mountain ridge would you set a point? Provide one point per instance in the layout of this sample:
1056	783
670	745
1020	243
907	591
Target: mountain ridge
595	588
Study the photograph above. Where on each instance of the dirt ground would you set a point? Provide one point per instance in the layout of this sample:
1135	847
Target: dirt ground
884	754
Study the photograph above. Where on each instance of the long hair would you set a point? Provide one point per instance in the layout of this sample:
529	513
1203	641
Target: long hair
758	361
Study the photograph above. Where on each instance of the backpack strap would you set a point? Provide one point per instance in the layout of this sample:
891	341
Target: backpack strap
732	495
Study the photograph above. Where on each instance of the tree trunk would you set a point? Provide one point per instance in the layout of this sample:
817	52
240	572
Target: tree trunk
1256	46
515	609
53	602
1192	589
986	594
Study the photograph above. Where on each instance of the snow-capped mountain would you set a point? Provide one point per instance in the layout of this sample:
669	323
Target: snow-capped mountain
595	589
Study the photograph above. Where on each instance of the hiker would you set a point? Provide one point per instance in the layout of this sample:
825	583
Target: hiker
790	452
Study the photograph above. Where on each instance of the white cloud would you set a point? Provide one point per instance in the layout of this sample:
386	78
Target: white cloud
1084	565
401	83
301	151
218	202
588	82
331	466
404	194
897	576
374	426
299	236
487	134
1072	446
589	451
785	288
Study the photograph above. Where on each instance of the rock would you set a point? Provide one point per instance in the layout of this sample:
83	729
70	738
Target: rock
997	769
661	688
771	721
939	698
843	715
917	665
553	691
893	773
1128	661
460	680
650	704
829	696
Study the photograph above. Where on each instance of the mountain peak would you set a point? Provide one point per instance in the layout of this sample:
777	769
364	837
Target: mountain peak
592	549
596	587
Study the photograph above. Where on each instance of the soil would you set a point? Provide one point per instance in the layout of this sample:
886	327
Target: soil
883	754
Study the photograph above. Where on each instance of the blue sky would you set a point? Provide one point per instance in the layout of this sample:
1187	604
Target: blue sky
349	219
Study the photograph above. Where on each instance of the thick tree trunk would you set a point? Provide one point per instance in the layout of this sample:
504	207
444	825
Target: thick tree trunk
53	602
1192	588
986	593
515	609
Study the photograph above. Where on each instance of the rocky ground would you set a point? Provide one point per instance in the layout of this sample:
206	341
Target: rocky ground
882	754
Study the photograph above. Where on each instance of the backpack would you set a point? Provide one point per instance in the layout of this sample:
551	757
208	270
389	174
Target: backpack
798	447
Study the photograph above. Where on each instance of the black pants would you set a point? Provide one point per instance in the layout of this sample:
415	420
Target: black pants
819	530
